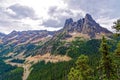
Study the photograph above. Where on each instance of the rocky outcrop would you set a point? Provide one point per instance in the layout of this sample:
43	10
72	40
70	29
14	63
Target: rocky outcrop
86	25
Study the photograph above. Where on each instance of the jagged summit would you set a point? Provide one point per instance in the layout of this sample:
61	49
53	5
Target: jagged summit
68	21
88	17
85	25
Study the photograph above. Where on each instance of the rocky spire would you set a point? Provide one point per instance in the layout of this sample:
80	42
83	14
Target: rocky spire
68	21
88	17
86	25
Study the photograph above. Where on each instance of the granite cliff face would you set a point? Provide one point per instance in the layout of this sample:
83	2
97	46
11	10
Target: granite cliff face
85	26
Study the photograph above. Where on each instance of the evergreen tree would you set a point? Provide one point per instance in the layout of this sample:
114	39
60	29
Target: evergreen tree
81	71
73	50
117	51
117	59
116	26
106	65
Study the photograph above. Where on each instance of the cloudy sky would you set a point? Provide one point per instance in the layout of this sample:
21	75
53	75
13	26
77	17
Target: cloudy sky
51	14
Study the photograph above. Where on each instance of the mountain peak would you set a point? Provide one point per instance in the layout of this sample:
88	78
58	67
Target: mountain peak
14	31
88	17
86	25
68	21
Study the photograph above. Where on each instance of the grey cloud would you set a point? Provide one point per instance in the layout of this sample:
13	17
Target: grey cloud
3	21
52	10
55	23
51	23
86	4
97	8
57	19
1	1
9	21
22	12
58	16
6	21
93	6
55	10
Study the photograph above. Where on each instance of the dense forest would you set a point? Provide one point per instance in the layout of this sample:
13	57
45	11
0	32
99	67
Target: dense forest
89	52
8	72
91	60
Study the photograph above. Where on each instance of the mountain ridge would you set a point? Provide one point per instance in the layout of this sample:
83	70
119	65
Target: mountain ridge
21	37
86	28
83	25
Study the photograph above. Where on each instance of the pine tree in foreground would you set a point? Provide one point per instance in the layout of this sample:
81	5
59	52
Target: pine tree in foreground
81	71
106	67
116	26
117	59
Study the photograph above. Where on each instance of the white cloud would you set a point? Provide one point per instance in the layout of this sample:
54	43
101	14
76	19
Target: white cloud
9	11
13	18
42	6
106	22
